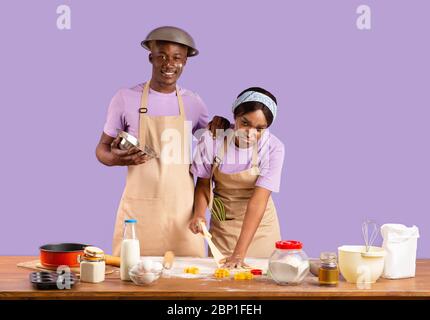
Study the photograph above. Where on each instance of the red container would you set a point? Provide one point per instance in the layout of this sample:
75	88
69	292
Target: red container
61	254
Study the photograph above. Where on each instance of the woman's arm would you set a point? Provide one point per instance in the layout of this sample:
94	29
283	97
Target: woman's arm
201	200
254	214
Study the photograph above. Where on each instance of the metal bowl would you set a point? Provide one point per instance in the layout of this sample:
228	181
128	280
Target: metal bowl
315	266
127	141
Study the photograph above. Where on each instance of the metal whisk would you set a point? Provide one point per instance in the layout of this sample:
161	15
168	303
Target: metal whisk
369	225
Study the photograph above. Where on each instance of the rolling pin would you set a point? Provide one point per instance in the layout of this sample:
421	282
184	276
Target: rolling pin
168	260
112	260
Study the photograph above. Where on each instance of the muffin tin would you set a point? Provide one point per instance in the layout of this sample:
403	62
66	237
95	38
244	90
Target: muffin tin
48	280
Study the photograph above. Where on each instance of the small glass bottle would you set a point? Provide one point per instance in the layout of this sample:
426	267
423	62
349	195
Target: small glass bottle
328	271
130	249
92	265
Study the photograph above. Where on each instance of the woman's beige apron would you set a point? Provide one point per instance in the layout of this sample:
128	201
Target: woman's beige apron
160	195
235	190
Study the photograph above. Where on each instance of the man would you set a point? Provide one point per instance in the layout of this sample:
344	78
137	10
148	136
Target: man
158	194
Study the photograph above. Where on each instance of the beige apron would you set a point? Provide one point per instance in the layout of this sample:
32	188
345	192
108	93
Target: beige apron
160	195
235	190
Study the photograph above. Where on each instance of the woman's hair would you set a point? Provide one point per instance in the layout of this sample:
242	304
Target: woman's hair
250	106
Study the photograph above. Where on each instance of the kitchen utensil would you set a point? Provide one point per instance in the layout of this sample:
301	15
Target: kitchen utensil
369	225
217	255
37	266
171	34
218	209
144	278
169	256
48	280
315	265
149	152
361	264
112	260
54	255
127	140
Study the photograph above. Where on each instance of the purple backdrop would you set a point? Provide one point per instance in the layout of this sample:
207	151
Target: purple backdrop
353	109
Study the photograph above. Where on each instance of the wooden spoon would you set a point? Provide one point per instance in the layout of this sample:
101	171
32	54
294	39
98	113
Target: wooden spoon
217	255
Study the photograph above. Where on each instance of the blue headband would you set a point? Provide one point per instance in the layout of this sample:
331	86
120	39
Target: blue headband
257	97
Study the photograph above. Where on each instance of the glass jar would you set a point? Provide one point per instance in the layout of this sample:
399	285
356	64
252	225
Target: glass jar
92	265
328	272
288	264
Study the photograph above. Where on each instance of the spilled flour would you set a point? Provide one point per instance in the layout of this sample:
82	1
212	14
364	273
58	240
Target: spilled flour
207	267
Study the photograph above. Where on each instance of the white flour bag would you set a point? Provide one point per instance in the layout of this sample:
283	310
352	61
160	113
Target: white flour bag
400	244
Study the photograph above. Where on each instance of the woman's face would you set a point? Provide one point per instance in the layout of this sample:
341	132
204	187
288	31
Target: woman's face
249	128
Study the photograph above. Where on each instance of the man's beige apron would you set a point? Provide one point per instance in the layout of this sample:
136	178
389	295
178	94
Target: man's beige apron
235	190
160	195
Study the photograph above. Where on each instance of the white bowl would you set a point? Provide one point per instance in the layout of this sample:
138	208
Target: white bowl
359	266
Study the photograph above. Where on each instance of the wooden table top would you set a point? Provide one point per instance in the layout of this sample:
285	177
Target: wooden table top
15	284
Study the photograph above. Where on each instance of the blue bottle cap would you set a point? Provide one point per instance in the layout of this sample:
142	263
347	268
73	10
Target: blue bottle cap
130	221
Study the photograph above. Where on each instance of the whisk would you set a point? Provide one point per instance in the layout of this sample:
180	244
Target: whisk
369	225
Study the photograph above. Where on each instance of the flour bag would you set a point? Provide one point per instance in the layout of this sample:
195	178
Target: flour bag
400	244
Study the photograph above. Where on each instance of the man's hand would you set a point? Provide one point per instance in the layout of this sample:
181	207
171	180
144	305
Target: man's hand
109	153
132	156
218	123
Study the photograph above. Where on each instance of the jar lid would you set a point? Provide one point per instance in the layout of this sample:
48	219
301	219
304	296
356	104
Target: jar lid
93	252
91	259
289	244
257	272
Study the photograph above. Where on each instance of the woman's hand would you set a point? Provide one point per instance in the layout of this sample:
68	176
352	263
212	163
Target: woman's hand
234	261
218	123
195	226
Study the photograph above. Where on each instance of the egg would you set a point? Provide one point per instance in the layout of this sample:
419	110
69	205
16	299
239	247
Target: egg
157	267
148	277
146	265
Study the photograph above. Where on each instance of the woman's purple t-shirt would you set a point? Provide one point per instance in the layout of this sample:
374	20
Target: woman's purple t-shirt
270	159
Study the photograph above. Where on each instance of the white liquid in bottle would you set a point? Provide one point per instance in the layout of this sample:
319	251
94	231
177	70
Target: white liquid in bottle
130	249
130	255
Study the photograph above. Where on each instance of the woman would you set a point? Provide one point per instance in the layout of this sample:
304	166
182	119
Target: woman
245	166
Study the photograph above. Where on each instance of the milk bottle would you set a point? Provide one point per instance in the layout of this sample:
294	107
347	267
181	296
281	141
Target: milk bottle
130	249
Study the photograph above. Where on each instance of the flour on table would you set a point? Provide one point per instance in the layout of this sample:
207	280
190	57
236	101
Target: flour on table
207	266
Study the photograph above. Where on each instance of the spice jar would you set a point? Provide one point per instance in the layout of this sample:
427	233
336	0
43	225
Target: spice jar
92	265
288	264
328	272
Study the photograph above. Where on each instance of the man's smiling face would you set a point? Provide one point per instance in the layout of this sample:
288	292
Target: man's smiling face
168	60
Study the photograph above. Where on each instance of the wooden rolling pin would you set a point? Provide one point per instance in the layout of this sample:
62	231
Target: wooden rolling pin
169	256
112	260
168	260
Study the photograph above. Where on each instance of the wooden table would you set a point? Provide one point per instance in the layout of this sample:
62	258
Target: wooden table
14	284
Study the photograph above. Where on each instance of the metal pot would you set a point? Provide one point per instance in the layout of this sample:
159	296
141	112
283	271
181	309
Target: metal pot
54	255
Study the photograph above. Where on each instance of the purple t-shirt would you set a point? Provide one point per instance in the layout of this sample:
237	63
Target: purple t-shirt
123	112
270	159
